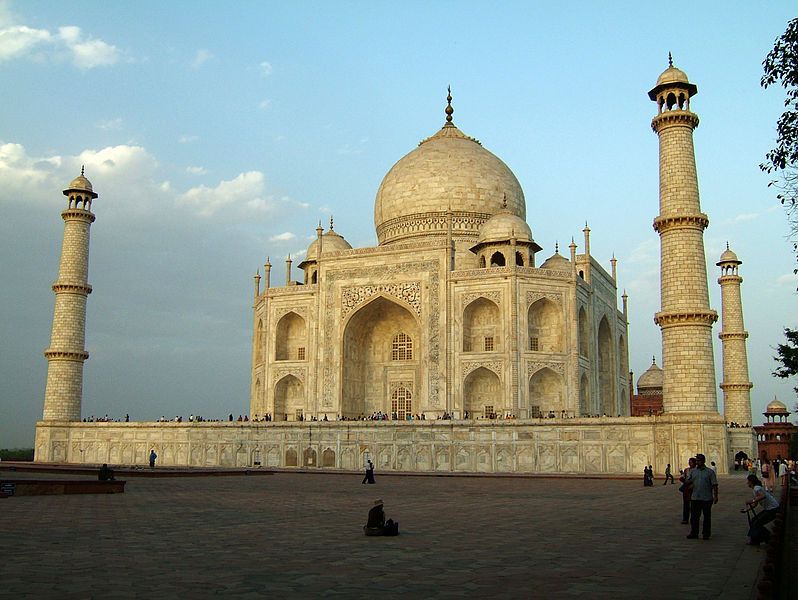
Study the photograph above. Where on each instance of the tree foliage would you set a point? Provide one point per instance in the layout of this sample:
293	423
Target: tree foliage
787	355
781	67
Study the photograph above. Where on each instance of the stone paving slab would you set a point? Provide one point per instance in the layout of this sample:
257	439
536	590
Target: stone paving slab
299	536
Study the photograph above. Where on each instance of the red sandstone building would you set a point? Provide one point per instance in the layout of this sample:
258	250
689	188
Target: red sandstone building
648	399
773	438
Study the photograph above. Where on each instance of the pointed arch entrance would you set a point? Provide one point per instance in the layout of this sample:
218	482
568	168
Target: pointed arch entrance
584	396
291	338
544	320
381	343
605	368
546	393
482	394
289	399
481	326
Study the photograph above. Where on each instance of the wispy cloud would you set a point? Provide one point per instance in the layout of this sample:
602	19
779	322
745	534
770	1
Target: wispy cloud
84	51
741	218
200	58
246	191
282	237
264	104
109	124
789	278
265	68
353	148
187	139
196	170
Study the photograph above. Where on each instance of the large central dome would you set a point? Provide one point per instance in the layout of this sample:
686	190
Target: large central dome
448	171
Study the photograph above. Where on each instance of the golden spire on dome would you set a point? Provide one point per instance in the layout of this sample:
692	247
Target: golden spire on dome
449	110
81	170
331	222
670	60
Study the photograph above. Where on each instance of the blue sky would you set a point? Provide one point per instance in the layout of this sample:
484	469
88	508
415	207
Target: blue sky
219	134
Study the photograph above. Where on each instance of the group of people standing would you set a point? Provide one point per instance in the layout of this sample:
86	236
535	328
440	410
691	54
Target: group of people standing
699	488
699	492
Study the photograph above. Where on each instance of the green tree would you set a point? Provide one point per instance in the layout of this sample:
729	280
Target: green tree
787	355
781	67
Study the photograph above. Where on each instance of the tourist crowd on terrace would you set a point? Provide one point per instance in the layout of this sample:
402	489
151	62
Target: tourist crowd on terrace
106	419
376	416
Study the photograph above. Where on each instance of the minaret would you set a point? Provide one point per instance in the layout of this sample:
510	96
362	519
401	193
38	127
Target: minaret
66	353
736	386
685	318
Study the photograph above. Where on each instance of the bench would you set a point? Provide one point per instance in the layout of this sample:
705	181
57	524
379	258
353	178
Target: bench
49	487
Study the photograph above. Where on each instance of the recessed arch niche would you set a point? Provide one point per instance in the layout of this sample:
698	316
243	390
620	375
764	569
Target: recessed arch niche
368	355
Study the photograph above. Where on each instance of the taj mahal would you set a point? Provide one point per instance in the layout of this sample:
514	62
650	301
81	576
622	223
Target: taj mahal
477	352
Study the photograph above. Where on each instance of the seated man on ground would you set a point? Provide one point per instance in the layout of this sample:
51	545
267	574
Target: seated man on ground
377	525
106	473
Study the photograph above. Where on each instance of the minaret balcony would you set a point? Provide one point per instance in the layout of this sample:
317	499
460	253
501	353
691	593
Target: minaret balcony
697	221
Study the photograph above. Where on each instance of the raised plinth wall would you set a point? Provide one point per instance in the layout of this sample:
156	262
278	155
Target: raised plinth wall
605	445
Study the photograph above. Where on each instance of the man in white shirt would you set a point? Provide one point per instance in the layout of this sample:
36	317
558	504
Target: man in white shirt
705	494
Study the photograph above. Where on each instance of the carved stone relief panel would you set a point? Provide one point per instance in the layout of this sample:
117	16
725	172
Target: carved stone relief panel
534	366
281	311
280	372
533	296
408	292
497	366
493	296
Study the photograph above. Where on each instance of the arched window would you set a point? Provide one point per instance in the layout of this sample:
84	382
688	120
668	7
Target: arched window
481	262
519	259
481	327
497	260
402	347
545	327
671	101
291	338
401	403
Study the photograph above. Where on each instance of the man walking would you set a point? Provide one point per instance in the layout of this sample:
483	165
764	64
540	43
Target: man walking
668	474
705	494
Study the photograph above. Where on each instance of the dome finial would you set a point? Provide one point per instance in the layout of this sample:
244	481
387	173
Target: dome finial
449	110
670	60
331	222
82	167
727	245
556	247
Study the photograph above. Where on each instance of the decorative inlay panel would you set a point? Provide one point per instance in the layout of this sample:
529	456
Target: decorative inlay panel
280	372
497	366
408	292
533	296
284	310
494	297
534	366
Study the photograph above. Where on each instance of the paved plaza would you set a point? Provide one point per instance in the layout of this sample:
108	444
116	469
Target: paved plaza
299	535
